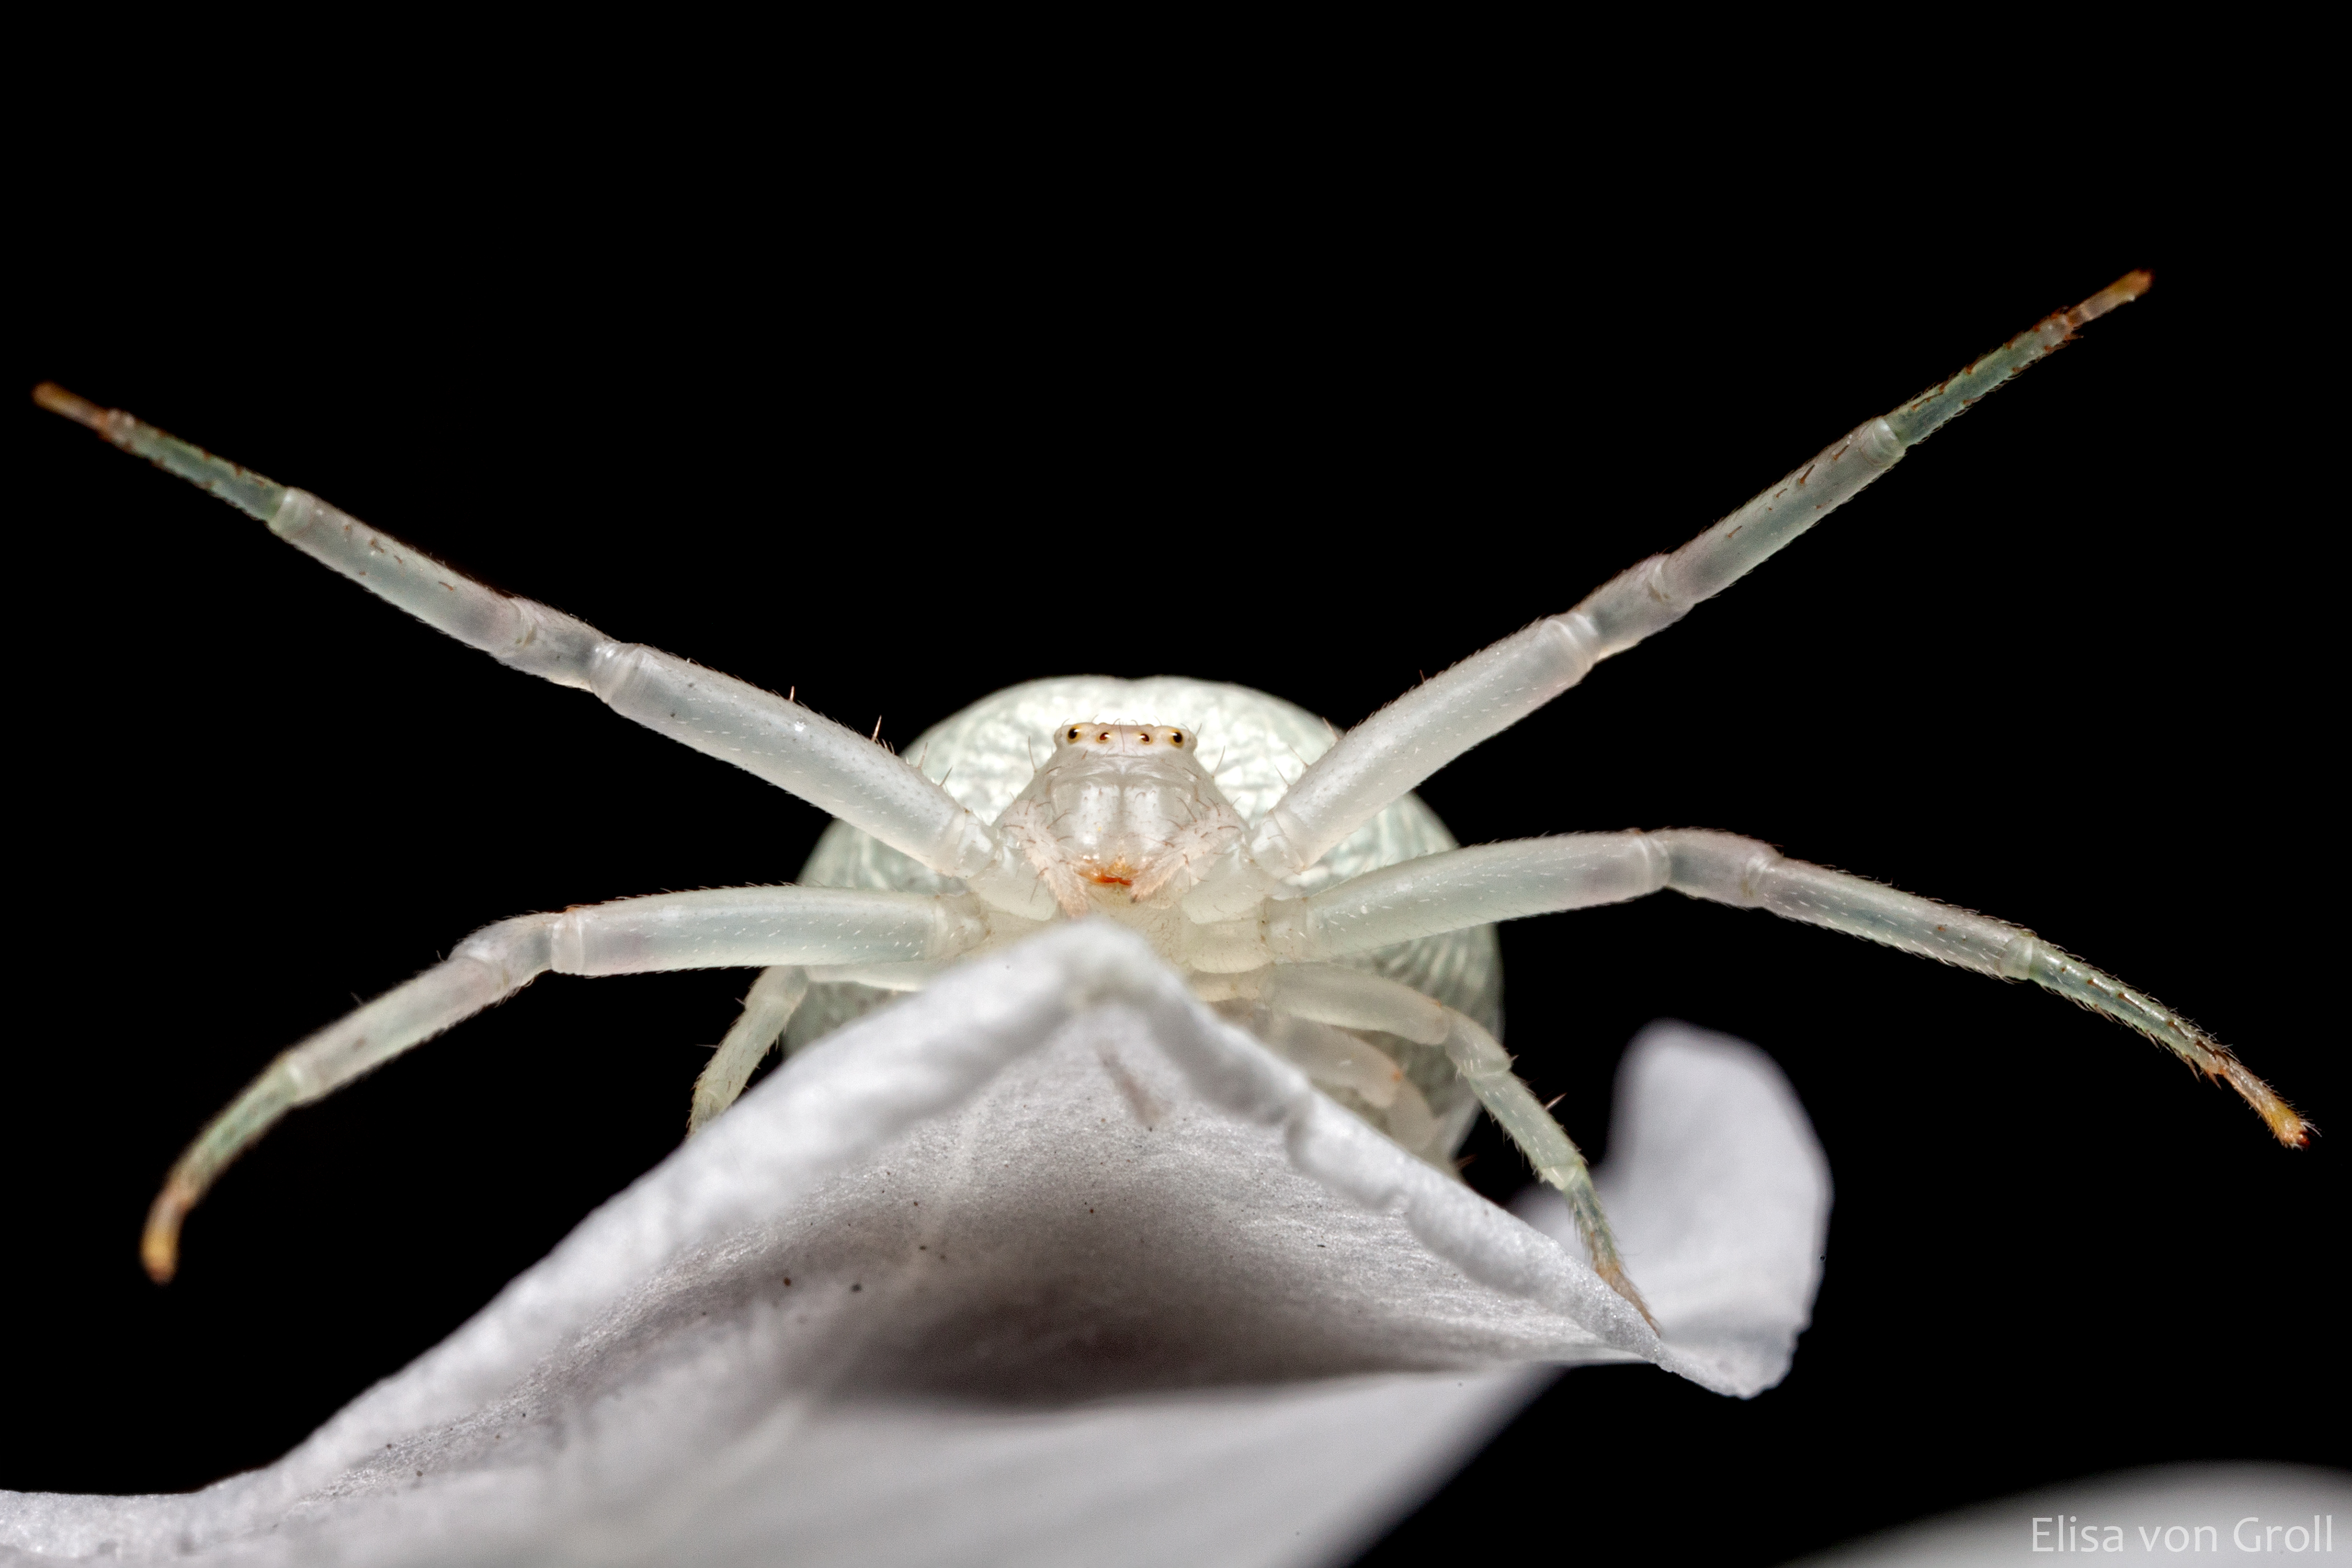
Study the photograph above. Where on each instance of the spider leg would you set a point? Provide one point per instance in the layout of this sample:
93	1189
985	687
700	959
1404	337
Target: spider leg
1392	751
718	927
1537	875
792	747
774	997
1352	999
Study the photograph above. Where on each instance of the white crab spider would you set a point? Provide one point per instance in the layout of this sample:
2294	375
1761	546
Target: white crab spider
1330	908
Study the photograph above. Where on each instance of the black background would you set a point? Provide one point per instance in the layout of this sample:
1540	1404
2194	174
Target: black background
899	443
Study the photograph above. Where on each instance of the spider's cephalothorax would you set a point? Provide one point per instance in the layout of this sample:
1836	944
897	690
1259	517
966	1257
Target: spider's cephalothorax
1120	815
1295	883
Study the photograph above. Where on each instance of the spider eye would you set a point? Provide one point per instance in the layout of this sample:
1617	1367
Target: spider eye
1145	737
1074	732
1177	739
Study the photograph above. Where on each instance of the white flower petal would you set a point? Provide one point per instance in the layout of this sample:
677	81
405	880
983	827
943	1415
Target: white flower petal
1046	1262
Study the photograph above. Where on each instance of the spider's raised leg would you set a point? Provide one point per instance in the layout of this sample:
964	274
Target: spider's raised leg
1352	999
716	929
792	747
1392	751
1537	875
772	1000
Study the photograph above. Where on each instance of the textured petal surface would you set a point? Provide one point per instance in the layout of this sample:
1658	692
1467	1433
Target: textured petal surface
1047	1263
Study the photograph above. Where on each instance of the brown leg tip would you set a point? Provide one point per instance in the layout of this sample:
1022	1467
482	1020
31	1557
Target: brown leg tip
159	1248
1613	1275
81	410
2121	292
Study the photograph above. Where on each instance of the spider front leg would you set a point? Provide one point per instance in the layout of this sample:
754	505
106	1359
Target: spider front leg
1538	875
792	747
716	929
1352	999
1393	750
